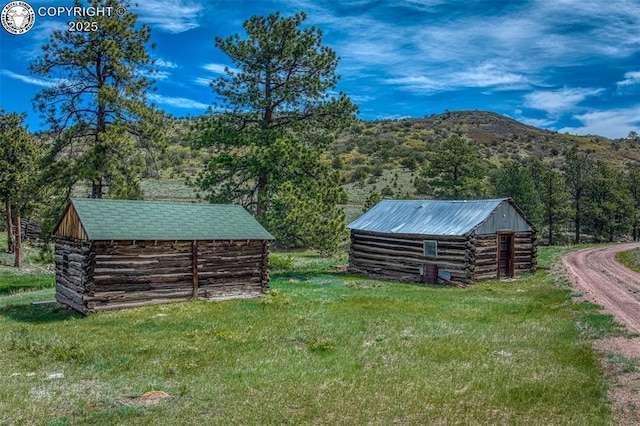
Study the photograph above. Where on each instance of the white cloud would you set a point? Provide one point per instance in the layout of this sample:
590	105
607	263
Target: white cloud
487	75
559	101
178	102
630	78
417	83
31	80
484	76
160	75
542	123
203	81
166	64
616	123
174	16
214	68
217	68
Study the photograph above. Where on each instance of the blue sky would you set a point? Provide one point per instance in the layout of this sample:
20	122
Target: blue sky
566	65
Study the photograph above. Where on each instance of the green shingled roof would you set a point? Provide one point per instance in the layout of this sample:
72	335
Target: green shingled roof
150	220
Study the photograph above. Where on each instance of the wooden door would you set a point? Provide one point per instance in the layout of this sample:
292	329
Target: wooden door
506	254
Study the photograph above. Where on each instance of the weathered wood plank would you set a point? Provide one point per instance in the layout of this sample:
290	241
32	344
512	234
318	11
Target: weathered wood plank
65	301
70	294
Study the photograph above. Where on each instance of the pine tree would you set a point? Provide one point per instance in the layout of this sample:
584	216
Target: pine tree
20	157
608	204
578	167
273	129
515	181
553	195
456	170
633	184
98	108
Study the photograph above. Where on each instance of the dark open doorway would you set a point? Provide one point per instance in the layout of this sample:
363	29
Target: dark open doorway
506	254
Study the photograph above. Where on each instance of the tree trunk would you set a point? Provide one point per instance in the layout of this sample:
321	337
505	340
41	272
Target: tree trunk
261	206
10	246
96	188
18	254
577	221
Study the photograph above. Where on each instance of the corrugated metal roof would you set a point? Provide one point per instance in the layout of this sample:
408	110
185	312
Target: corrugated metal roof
105	219
429	217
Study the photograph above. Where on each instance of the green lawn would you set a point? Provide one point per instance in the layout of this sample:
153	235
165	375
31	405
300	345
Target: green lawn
630	258
36	273
323	348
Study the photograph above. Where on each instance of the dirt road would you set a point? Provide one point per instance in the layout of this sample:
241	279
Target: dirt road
605	282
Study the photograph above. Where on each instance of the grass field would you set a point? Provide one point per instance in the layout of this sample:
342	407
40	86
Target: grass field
630	258
323	348
35	275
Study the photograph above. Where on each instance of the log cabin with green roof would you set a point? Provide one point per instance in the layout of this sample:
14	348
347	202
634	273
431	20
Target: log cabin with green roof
114	254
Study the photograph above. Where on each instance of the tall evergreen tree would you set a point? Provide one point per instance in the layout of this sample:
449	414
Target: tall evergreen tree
515	180
456	170
608	205
633	184
275	98
20	157
553	195
578	167
98	108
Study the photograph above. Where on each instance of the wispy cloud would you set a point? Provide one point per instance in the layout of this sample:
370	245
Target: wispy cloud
630	79
485	76
165	64
559	101
203	81
536	122
218	68
611	123
416	83
178	102
31	80
173	16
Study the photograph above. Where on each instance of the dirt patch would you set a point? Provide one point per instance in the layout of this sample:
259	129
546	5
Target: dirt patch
622	367
147	398
605	282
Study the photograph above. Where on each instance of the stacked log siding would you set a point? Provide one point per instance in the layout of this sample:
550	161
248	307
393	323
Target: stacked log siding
30	230
95	275
466	256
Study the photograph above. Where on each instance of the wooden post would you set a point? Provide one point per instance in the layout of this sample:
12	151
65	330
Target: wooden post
194	267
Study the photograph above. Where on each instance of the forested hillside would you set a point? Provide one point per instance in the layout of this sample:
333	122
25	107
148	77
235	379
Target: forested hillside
394	159
563	182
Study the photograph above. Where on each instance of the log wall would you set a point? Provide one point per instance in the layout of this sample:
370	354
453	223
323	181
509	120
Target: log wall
468	258
30	230
486	266
74	263
99	275
400	257
526	252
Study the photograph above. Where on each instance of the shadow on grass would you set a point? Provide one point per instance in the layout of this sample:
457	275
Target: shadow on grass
39	313
308	276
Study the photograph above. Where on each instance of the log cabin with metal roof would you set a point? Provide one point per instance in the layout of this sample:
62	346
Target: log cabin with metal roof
456	242
113	254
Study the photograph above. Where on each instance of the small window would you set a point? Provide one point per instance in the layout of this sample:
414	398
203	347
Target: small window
430	248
